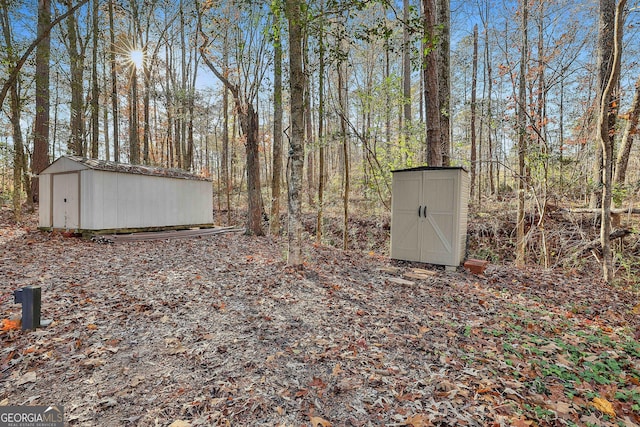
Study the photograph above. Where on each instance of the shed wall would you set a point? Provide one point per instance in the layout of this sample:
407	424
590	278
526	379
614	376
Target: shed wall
44	210
112	200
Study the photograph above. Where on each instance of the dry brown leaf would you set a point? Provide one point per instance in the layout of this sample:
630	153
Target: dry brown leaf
562	408
418	420
604	406
519	422
136	380
336	370
591	419
179	349
29	377
317	421
180	423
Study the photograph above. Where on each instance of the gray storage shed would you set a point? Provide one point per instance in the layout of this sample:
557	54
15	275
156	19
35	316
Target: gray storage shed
429	215
79	194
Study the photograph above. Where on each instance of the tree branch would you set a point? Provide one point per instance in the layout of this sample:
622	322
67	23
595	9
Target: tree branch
16	69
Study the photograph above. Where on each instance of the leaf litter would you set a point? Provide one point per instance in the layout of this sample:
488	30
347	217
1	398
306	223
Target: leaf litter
219	331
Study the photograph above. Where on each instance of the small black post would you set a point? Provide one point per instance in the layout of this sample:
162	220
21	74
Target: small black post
30	298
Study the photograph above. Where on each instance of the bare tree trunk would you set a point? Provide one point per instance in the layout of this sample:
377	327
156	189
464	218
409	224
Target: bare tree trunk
40	158
387	94
296	152
430	59
77	104
308	121
276	176
607	141
605	61
146	115
345	154
522	138
14	117
114	86
105	113
627	137
227	180
250	127
183	91
134	141
191	103
406	72
444	81
474	83
321	141
18	151
95	90
487	60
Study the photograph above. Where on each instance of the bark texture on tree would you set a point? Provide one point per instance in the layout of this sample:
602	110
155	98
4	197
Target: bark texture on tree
433	146
276	173
95	90
76	144
606	140
522	138
321	151
629	133
474	84
406	71
40	159
114	86
604	64
345	154
444	80
296	144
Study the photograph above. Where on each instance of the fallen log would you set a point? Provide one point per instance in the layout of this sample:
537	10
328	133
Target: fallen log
619	233
614	211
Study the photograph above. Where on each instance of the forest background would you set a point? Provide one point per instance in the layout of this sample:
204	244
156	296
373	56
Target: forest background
318	102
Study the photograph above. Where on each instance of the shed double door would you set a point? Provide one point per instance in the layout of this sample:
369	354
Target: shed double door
428	220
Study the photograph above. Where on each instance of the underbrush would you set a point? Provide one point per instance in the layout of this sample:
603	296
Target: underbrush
562	239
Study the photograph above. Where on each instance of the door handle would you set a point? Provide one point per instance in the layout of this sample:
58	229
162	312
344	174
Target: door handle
425	212
419	208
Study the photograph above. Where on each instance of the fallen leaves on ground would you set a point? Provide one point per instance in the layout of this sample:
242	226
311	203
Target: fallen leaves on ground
11	324
218	331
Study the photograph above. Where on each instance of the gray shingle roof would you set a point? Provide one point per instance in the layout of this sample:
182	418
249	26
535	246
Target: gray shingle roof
136	169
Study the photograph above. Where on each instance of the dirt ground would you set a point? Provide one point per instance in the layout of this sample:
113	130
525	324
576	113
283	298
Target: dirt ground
218	331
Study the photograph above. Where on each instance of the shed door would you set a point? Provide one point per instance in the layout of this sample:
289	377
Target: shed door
405	235
66	206
438	227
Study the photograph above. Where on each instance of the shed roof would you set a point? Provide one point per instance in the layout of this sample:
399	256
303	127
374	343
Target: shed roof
104	165
429	168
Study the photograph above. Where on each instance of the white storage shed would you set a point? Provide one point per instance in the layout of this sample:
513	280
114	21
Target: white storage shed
429	215
85	195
